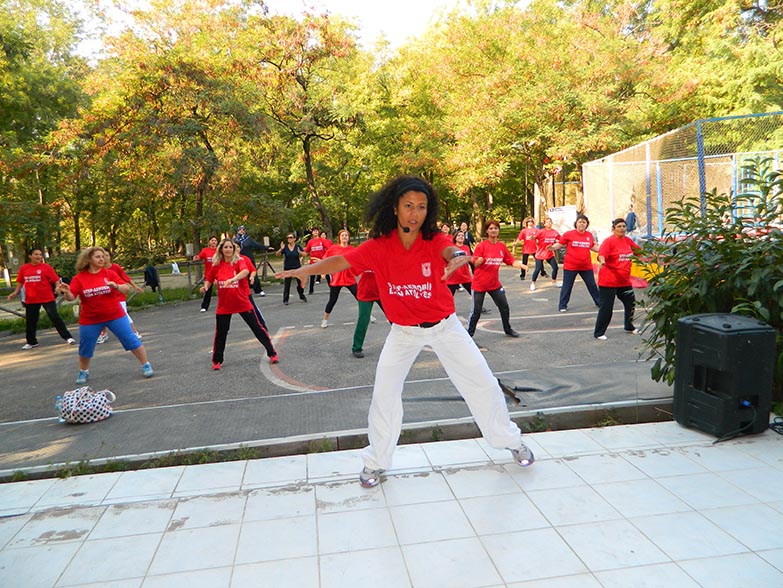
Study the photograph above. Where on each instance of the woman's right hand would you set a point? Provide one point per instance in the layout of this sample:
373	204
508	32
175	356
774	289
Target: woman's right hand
293	273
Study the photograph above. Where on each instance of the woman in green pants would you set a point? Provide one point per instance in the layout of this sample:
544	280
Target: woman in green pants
366	294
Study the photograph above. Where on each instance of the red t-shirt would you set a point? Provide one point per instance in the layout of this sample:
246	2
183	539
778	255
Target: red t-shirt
207	254
617	253
462	274
316	247
232	298
124	278
99	301
345	277
38	280
577	257
545	238
485	276
528	238
367	291
410	281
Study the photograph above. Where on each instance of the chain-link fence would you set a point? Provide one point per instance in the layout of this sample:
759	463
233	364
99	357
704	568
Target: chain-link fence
697	158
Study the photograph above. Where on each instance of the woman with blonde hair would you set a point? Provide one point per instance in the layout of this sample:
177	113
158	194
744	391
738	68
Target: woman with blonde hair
97	288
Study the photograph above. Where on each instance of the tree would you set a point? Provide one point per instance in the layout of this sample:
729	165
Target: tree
303	86
39	84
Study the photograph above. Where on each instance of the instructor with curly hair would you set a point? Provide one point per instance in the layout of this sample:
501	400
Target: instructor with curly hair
411	260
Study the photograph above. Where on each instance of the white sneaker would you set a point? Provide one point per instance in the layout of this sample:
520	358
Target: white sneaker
523	456
372	319
532	286
558	284
102	339
324	324
370	478
71	341
602	338
203	310
138	335
28	347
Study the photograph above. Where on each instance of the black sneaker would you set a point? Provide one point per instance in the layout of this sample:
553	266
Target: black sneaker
512	333
358	354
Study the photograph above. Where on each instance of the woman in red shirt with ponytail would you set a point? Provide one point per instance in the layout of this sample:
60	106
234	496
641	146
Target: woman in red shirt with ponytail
230	271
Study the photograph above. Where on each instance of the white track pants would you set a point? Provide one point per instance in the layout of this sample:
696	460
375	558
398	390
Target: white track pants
465	366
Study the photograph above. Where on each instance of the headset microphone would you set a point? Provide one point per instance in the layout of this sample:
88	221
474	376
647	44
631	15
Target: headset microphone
406	229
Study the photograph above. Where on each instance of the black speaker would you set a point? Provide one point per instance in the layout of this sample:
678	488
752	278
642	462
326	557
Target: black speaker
723	374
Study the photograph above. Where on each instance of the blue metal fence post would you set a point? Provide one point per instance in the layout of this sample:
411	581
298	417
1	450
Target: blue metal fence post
702	174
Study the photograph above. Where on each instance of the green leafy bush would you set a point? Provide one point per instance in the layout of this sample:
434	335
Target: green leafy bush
715	259
64	264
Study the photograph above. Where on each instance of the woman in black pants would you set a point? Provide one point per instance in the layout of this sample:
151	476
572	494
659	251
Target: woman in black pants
488	256
230	272
293	254
614	279
342	279
39	280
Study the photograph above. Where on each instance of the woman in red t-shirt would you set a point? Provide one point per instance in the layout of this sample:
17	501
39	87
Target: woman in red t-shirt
578	261
488	257
97	288
327	246
411	260
230	271
39	280
342	279
461	277
614	279
120	271
316	249
544	238
366	294
527	236
206	255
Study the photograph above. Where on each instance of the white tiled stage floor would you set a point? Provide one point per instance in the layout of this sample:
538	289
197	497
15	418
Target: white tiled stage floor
637	505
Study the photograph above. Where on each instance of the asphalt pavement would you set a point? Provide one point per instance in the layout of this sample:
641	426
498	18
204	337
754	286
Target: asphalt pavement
318	388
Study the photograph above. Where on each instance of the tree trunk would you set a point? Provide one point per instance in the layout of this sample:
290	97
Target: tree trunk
77	237
327	225
198	220
477	215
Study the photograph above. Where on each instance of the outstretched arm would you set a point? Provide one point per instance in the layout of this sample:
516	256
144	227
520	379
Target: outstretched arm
330	265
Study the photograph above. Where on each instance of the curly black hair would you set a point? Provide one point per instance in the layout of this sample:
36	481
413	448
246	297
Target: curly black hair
380	211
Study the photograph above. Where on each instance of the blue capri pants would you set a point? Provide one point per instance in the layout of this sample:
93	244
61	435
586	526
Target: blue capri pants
121	327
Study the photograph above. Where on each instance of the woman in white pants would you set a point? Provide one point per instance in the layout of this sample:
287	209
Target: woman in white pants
411	259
